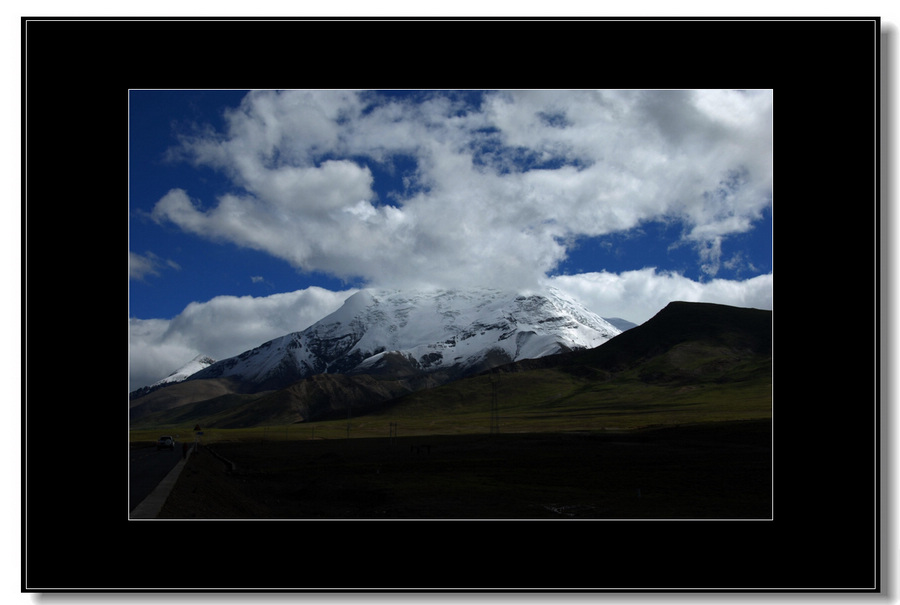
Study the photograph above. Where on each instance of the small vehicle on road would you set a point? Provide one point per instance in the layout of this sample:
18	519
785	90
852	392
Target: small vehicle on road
165	442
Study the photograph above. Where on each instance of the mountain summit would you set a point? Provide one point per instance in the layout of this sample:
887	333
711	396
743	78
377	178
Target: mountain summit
192	367
445	334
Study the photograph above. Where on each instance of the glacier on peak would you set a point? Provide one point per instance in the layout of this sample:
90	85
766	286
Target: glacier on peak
449	331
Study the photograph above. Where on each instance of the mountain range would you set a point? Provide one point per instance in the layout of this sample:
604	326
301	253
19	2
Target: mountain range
683	346
407	339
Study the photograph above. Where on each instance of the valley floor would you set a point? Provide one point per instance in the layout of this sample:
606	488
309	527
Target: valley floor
706	471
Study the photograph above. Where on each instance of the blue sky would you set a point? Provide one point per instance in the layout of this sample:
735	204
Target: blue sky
253	214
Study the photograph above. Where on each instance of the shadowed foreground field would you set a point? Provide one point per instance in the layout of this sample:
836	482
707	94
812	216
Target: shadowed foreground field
704	471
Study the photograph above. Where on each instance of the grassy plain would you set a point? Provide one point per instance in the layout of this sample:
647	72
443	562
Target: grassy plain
568	447
708	471
668	420
539	401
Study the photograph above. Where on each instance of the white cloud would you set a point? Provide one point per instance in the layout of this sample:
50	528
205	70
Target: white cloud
149	264
153	354
584	163
639	295
140	267
158	347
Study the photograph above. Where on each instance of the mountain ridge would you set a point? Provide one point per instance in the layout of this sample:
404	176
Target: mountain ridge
419	338
453	332
685	346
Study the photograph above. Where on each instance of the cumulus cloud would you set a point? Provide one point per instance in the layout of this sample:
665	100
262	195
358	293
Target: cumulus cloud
639	295
494	190
158	347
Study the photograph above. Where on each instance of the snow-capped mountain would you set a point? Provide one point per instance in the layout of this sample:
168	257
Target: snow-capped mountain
190	368
446	333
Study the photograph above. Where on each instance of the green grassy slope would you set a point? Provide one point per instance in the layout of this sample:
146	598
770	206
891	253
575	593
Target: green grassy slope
690	363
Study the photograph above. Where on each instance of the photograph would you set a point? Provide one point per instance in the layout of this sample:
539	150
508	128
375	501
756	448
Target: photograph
443	304
435	300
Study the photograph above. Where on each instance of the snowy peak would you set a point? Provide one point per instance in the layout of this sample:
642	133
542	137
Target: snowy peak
447	333
190	368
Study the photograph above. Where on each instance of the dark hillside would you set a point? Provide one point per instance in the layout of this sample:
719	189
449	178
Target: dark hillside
320	397
718	325
177	394
714	327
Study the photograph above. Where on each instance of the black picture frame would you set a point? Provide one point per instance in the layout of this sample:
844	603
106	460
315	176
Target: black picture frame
826	535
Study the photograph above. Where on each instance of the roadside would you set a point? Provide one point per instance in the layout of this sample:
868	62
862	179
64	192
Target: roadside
207	489
150	507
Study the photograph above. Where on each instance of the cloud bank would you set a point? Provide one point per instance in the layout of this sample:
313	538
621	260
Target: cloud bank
222	327
639	295
485	188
